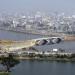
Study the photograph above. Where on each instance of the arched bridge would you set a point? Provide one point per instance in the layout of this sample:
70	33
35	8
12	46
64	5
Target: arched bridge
9	45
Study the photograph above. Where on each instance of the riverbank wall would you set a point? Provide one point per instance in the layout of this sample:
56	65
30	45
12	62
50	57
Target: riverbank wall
69	37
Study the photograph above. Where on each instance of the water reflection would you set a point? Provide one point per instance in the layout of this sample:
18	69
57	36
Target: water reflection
44	68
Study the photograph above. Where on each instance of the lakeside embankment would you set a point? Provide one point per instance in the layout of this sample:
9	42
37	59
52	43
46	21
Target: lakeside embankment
44	56
56	57
66	37
69	37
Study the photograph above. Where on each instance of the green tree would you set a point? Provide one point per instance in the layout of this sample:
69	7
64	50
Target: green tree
9	62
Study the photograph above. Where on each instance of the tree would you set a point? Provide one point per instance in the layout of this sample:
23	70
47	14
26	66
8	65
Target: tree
9	62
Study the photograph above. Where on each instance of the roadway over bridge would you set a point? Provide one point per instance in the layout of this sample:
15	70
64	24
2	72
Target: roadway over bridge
9	45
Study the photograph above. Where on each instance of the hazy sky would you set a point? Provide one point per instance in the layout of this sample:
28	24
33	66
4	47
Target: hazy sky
35	5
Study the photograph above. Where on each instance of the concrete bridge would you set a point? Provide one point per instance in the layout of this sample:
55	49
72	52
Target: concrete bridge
9	45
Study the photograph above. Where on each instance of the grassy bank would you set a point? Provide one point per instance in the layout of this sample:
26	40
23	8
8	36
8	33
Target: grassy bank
70	58
4	73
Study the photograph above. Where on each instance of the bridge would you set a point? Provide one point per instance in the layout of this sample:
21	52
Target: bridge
10	45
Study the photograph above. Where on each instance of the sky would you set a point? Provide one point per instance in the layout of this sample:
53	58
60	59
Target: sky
67	6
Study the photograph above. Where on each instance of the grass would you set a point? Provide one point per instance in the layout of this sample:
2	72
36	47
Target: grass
4	73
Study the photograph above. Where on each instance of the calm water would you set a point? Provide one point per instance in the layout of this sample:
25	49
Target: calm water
44	68
16	36
29	67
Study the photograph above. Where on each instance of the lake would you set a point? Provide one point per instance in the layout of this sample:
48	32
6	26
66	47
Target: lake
31	67
34	67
